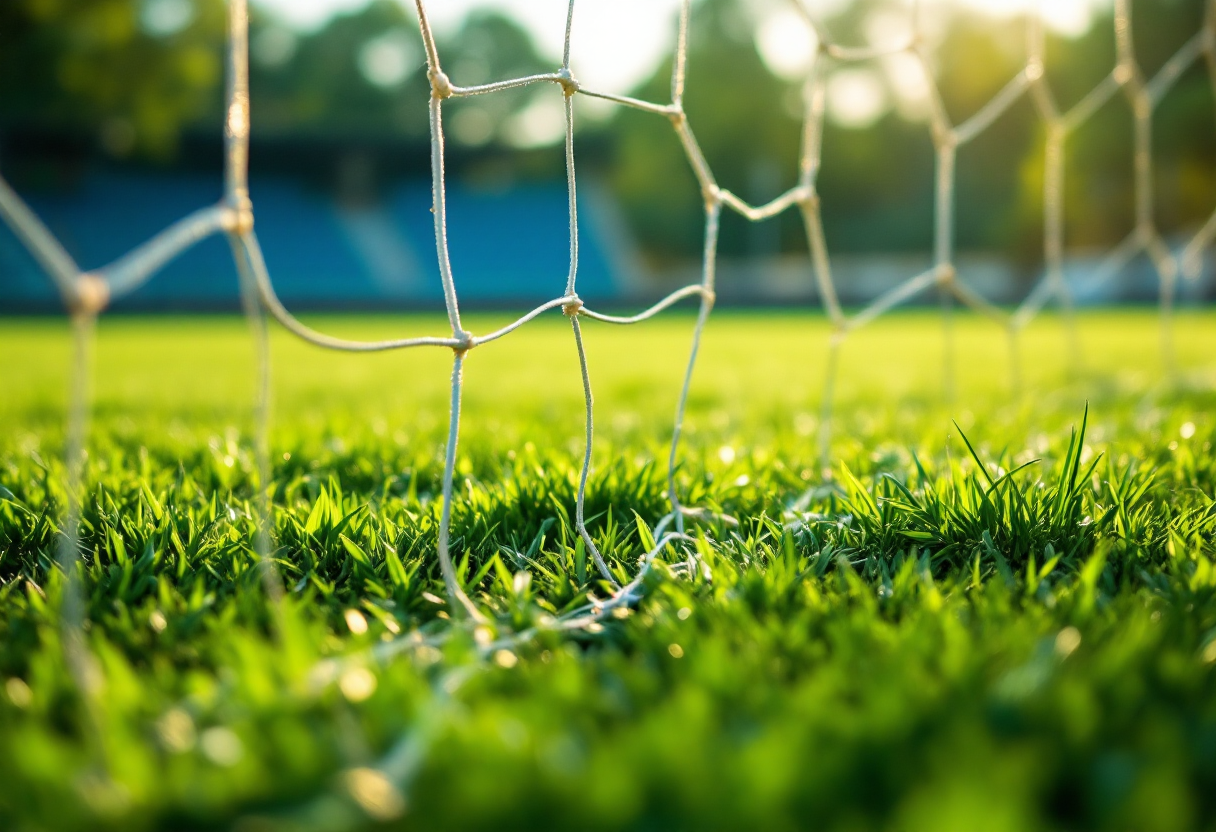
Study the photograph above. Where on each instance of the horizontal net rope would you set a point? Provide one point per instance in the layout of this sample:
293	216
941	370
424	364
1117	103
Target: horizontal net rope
87	293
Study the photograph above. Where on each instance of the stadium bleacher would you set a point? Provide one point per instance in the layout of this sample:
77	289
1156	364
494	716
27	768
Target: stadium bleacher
323	254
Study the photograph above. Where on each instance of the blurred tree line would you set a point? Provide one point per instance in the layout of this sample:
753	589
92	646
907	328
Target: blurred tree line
142	80
876	182
138	79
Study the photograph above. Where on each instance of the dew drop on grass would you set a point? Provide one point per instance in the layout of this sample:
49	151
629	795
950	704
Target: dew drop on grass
357	684
1187	430
727	454
176	731
521	582
684	613
1068	640
375	794
19	692
505	658
426	654
222	746
356	622
157	620
676	651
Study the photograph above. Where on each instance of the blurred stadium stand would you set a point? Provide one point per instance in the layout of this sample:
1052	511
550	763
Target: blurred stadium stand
345	249
508	245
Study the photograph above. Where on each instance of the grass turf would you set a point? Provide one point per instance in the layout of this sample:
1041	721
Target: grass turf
932	646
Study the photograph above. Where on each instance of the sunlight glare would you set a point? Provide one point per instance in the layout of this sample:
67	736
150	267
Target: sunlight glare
1071	18
787	44
856	97
909	85
618	44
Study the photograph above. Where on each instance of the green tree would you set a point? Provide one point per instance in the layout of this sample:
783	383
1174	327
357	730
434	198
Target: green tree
128	73
876	183
135	74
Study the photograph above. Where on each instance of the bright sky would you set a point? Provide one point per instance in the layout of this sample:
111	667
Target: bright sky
617	43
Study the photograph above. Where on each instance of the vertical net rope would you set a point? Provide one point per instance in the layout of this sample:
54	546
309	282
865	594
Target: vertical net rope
87	293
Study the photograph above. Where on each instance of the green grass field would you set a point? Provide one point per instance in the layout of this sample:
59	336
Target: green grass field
931	646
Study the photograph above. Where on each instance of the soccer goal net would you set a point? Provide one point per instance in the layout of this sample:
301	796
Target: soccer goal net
87	293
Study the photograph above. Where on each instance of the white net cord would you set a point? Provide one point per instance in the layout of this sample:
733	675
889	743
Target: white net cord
86	294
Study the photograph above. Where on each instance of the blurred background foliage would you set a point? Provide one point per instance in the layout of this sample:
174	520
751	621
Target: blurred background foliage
140	83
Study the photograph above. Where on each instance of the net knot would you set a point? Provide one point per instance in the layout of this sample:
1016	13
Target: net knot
239	217
464	341
441	85
944	137
569	84
945	274
90	294
572	307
